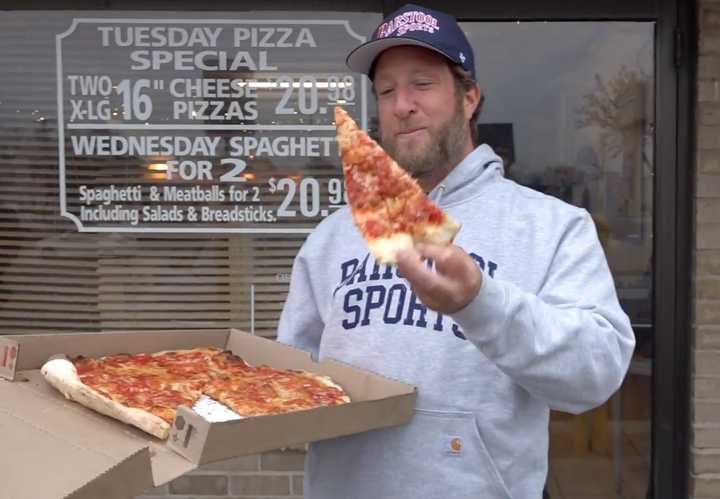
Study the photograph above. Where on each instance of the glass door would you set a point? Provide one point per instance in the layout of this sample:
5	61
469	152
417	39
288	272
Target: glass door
570	106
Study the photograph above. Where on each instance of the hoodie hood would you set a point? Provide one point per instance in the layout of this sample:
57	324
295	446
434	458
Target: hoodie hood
469	177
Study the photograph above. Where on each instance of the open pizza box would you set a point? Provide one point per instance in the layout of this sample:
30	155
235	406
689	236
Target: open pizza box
52	447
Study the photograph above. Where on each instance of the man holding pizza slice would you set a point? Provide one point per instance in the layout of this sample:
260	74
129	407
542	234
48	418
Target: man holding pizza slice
496	323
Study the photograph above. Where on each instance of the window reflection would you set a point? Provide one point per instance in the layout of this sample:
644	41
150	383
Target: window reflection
570	108
53	277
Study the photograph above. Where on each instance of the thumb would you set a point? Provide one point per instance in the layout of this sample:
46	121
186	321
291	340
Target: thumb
448	259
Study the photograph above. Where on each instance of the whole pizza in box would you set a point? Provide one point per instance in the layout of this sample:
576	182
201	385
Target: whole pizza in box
145	389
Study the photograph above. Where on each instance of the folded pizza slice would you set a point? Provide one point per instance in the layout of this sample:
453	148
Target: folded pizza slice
387	204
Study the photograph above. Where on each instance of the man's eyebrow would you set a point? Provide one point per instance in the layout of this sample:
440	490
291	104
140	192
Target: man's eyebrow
426	71
381	82
420	72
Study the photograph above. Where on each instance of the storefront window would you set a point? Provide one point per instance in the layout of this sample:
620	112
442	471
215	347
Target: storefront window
570	107
162	170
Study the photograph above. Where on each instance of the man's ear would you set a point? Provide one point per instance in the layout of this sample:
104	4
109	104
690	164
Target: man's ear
471	100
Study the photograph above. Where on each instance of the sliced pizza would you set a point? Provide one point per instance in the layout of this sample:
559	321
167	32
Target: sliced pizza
387	204
267	391
145	390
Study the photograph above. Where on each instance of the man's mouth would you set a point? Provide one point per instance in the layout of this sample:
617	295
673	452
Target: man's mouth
410	132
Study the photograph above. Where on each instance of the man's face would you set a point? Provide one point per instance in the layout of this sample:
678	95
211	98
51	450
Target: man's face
423	119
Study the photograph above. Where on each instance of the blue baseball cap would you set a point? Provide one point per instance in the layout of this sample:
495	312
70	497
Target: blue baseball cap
420	26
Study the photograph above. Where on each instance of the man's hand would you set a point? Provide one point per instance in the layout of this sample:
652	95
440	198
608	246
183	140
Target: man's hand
455	281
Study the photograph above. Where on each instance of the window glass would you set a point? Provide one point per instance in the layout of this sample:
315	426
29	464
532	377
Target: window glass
570	107
117	126
161	170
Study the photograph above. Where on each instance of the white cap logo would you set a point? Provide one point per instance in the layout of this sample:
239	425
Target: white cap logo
408	21
462	57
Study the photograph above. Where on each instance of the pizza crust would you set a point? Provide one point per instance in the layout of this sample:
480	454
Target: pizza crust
384	249
61	374
327	381
441	234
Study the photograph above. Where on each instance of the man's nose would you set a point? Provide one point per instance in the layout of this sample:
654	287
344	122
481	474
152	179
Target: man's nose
405	103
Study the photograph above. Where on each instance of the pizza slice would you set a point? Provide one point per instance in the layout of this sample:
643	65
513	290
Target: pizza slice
143	390
102	393
387	204
264	390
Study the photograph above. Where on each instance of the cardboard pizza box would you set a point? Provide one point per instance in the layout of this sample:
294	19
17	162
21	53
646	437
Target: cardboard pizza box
52	447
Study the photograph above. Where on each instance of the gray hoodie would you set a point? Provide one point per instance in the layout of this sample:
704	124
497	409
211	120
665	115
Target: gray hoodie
545	331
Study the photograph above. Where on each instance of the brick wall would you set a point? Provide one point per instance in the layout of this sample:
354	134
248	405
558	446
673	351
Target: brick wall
272	475
705	435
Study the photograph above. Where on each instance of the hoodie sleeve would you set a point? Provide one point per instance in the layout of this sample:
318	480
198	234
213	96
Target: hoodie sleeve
570	345
301	324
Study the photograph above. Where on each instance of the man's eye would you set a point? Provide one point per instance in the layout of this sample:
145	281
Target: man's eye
385	91
423	84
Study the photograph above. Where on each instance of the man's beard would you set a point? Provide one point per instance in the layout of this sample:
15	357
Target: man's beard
445	150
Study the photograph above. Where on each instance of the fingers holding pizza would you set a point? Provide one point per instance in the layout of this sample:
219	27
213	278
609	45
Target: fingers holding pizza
455	281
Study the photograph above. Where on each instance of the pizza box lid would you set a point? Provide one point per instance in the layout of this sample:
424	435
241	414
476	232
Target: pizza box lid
81	454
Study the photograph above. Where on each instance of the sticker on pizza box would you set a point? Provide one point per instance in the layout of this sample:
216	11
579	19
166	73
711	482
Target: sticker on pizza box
8	357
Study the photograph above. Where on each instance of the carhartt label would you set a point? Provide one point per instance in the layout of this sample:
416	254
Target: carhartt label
454	446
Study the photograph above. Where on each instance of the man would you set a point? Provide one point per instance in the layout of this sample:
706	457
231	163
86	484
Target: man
519	316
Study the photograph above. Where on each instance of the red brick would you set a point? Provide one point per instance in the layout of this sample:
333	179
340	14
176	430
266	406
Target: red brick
283	461
705	461
707	338
707	263
707	312
707	236
704	485
200	485
298	484
708	186
706	388
710	113
705	412
709	45
708	90
710	19
156	491
244	463
707	288
262	485
708	66
707	363
705	435
709	137
708	210
709	160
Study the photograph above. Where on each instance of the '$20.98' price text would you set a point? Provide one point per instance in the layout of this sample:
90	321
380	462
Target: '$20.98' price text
308	192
